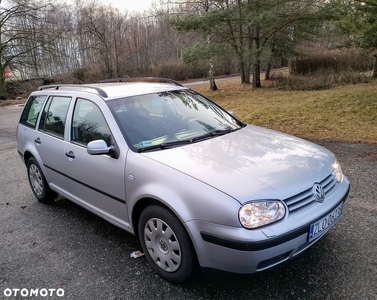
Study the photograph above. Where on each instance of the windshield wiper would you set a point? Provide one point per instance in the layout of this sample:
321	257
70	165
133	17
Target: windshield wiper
165	145
213	134
188	141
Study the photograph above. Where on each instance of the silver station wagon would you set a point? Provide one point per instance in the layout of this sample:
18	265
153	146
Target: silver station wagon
193	183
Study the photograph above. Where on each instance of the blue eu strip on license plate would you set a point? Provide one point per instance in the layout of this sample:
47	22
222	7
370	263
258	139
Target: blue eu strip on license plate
322	225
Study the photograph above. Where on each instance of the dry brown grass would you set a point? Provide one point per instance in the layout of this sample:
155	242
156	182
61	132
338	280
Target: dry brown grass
11	102
346	113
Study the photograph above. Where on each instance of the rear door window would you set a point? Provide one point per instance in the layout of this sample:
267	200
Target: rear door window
54	116
31	111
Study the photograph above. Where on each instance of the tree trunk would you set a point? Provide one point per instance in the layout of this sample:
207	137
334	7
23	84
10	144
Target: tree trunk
247	71
256	72
268	70
269	65
256	75
212	82
3	92
374	75
242	70
213	85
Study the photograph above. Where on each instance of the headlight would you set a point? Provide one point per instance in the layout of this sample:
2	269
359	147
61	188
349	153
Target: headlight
259	213
338	170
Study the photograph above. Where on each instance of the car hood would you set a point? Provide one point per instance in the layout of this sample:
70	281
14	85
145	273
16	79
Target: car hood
251	163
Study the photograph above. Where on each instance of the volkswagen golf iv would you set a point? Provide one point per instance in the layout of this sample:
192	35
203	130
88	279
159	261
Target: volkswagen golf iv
192	182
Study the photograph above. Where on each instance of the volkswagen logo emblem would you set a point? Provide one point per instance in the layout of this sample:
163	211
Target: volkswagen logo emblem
319	193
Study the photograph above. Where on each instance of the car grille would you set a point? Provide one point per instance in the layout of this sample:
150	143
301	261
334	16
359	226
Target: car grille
306	197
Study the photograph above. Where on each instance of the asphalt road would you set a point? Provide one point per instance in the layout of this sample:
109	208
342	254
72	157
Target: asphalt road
62	246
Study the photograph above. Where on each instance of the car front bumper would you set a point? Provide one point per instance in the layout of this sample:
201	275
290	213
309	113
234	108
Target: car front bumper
244	251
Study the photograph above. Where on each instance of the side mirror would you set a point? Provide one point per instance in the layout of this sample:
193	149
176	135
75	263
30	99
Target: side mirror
97	147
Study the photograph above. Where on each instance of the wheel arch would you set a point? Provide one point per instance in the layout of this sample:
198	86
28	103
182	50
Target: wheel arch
30	153
147	201
141	204
27	156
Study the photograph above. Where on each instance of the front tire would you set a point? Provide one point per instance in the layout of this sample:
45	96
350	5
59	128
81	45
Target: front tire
38	183
166	244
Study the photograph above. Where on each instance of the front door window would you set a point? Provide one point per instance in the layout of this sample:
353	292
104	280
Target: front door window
88	124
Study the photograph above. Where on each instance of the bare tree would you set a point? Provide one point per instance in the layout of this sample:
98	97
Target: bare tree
23	34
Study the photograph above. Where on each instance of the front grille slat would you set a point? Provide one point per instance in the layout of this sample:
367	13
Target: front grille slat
300	204
302	196
330	189
327	180
330	185
305	198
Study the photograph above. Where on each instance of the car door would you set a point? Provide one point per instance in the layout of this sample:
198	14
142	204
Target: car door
96	181
50	143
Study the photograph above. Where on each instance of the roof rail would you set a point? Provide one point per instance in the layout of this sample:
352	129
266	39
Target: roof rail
100	91
142	79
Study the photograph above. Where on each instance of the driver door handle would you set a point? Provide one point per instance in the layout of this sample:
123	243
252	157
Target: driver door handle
70	154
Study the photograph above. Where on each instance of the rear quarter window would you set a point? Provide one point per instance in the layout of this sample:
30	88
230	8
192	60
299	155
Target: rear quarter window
31	111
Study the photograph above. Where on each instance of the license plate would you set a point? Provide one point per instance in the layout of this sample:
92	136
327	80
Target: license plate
320	226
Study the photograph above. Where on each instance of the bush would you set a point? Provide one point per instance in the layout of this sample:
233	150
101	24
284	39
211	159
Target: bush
335	60
317	81
22	88
174	70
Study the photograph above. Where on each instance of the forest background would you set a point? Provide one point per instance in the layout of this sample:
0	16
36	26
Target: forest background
86	41
327	48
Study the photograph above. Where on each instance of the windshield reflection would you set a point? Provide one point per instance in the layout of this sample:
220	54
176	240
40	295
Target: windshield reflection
169	117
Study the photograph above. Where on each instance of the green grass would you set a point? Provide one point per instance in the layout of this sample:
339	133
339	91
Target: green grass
345	113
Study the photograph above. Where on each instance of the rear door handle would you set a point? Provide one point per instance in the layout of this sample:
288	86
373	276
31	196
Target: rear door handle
70	154
38	140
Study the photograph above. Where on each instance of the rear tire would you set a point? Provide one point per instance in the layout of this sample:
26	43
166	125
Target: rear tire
38	183
166	244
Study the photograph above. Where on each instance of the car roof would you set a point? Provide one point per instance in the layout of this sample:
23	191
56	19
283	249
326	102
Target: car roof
119	89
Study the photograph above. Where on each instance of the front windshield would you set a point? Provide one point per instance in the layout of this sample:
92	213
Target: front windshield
169	117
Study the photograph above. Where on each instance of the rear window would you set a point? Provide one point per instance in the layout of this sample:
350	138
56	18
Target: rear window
31	111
